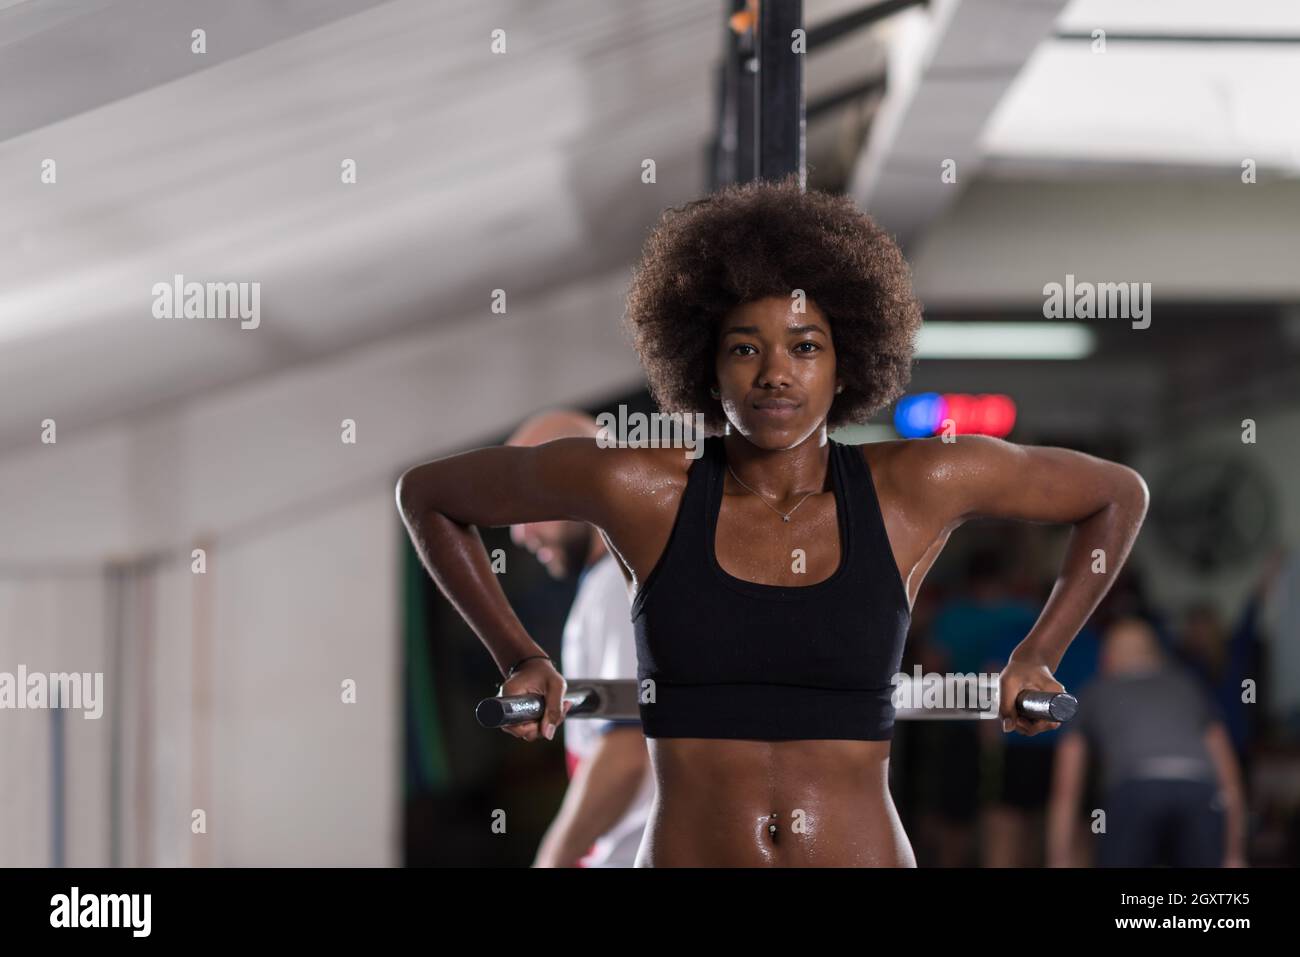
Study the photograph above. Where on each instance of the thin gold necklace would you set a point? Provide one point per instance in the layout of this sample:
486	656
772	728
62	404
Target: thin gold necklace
785	516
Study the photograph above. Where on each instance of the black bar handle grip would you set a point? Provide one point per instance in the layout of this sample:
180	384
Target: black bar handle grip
522	708
1047	705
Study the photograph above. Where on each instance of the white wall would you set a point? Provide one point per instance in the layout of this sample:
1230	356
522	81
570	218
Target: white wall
303	578
294	775
301	776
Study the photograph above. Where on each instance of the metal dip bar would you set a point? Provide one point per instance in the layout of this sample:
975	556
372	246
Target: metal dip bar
617	700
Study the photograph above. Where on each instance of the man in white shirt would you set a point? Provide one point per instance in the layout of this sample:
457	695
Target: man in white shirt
604	811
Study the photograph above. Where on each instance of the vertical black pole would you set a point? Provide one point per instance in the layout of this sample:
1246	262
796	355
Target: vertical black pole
745	51
780	93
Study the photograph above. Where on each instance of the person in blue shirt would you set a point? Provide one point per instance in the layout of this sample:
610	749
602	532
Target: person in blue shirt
976	631
1021	769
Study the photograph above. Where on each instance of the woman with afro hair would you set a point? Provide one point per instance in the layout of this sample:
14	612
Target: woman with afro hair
773	575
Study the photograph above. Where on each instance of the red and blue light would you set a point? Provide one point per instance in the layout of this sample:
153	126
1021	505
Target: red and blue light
917	416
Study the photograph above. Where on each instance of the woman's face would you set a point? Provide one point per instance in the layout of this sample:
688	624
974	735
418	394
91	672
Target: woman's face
776	371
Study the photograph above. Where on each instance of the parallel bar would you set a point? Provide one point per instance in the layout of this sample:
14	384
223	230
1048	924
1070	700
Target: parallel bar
733	99
959	697
747	92
781	122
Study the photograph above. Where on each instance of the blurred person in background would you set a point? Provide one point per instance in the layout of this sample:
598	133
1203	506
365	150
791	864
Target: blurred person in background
916	768
1020	767
981	621
603	815
1224	661
1128	598
1280	624
1170	783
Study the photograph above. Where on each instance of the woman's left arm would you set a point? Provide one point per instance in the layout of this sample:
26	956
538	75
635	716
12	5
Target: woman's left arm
978	476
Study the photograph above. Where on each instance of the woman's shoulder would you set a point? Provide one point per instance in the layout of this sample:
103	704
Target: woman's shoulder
645	469
907	473
886	457
934	458
593	466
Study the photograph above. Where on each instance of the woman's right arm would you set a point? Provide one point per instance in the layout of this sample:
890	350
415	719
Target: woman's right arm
443	501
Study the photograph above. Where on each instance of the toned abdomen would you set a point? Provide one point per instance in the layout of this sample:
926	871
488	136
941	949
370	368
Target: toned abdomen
724	803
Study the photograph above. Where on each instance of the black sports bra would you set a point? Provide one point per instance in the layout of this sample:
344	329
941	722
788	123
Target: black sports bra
728	658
